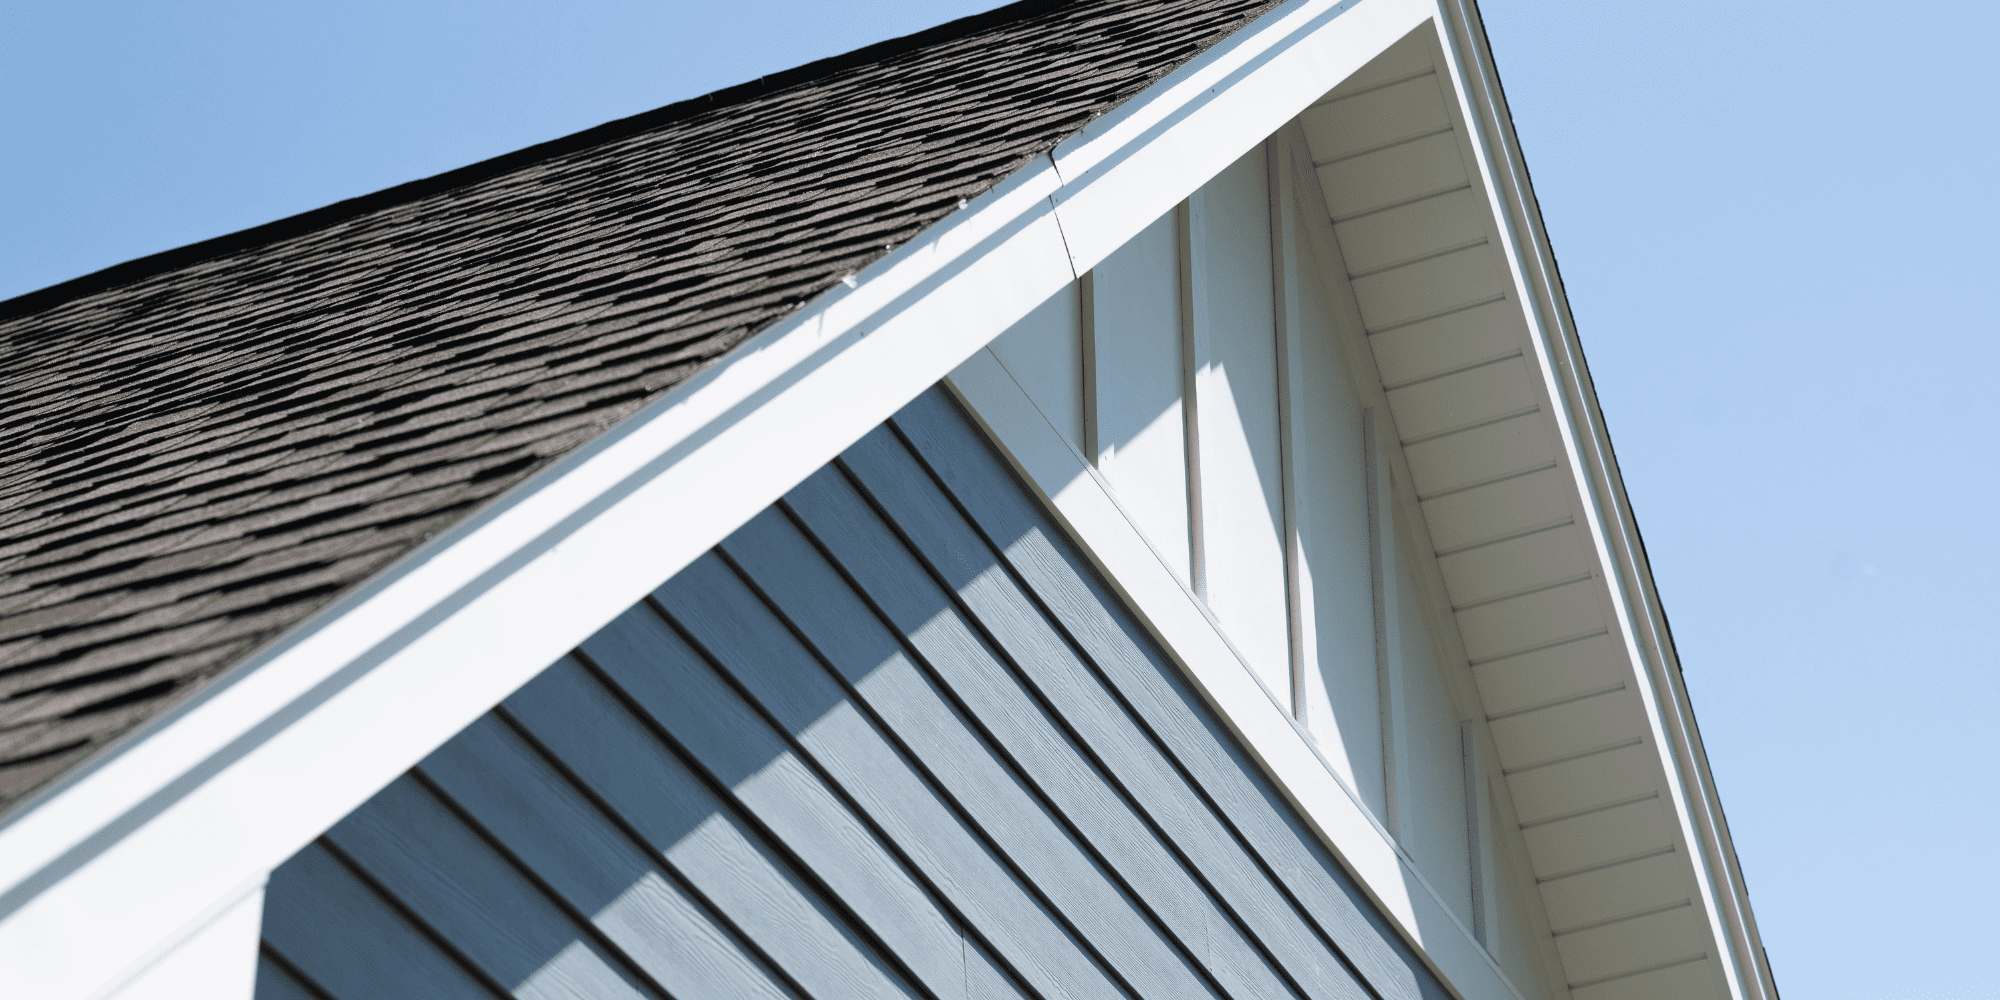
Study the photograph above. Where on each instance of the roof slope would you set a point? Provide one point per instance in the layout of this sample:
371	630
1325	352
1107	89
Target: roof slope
199	450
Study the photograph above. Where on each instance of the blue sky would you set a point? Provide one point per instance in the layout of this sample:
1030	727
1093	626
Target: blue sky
1775	224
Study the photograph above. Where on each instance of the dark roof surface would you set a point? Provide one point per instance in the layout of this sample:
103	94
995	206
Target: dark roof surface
200	449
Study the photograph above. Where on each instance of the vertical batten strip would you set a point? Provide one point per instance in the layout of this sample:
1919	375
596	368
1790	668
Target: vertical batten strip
1194	356
1285	312
1086	308
1477	865
1388	637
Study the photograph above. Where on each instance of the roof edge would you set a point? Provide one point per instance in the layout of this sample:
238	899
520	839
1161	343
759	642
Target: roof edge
355	664
138	268
1598	469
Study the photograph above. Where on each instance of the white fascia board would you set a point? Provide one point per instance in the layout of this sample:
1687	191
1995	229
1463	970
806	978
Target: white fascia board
1601	502
132	854
1181	622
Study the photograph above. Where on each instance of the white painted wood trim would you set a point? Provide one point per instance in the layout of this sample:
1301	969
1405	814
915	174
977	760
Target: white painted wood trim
1259	717
216	960
1587	457
127	853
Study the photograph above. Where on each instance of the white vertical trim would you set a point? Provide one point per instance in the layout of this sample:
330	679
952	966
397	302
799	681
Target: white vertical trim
1086	307
1382	553
1302	645
1191	231
1479	866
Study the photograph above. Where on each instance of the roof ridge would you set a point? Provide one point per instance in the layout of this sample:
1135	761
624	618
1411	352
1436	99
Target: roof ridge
310	220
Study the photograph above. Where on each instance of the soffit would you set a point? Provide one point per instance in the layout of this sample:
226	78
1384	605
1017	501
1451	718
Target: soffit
1528	589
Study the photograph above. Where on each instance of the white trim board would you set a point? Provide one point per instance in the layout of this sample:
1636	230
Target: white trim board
132	854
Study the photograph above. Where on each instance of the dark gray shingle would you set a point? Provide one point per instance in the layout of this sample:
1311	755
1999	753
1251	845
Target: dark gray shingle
198	450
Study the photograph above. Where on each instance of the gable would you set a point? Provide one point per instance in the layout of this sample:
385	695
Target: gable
428	646
1328	400
202	450
891	738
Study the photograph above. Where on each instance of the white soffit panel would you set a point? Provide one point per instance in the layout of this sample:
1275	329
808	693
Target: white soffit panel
223	788
1553	602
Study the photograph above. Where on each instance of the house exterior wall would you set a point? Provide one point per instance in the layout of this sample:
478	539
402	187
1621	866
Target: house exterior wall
891	738
1305	547
217	798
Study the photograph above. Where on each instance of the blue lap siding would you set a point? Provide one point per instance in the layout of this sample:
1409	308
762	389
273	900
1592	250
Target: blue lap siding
891	739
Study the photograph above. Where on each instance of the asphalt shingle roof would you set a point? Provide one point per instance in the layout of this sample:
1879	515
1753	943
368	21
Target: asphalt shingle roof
200	449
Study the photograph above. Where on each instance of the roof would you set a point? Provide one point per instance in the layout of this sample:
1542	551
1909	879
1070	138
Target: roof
199	450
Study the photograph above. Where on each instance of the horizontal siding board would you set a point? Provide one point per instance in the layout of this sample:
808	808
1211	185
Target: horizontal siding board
951	850
540	818
421	854
899	486
1419	228
779	559
785	795
320	917
1620	890
1065	869
1497	510
1461	399
1207	755
274	983
1632	944
1392	175
868	768
1455	340
622	763
952	548
721	613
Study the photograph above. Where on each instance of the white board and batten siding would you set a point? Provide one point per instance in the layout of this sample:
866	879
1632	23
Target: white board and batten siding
1241	455
1482	603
